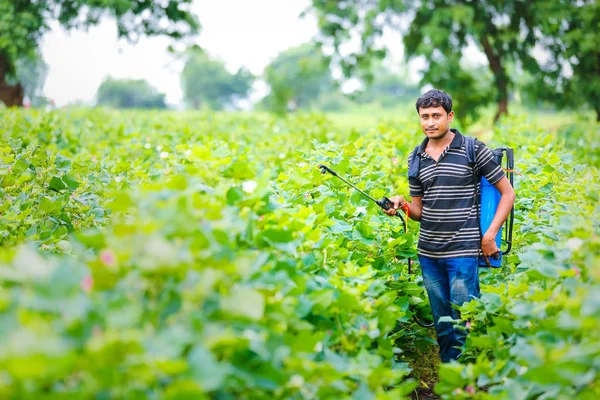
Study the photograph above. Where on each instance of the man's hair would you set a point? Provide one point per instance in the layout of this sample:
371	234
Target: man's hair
435	98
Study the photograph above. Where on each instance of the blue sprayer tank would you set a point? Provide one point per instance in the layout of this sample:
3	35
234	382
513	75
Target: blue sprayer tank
489	200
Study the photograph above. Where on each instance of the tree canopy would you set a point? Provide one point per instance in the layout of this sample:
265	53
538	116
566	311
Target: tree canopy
505	31
206	82
129	93
297	77
571	34
388	87
23	23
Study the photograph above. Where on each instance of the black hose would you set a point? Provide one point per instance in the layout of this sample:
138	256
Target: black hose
416	319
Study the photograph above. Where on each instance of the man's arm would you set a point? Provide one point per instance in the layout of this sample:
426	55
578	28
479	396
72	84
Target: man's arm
416	208
507	199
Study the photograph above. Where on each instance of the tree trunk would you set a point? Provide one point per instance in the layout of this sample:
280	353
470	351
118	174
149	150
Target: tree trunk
499	77
598	114
502	109
9	95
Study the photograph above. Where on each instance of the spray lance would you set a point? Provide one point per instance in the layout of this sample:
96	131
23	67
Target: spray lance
385	204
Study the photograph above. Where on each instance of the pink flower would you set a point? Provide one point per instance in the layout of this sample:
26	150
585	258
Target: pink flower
107	257
577	271
261	217
470	389
394	160
468	324
87	284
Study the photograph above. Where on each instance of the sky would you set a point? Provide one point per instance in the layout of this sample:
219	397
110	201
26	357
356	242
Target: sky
240	32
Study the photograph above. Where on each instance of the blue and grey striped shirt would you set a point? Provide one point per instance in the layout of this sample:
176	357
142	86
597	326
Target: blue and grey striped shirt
449	217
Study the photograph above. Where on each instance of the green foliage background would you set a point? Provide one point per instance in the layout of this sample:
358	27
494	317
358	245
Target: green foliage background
203	255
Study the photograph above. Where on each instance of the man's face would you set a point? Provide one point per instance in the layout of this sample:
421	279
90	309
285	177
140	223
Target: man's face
435	122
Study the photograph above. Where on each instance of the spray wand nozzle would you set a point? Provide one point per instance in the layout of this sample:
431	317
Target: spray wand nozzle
384	203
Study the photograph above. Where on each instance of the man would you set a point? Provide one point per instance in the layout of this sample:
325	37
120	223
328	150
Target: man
444	201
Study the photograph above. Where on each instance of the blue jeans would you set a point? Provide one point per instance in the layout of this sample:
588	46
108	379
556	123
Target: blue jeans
449	281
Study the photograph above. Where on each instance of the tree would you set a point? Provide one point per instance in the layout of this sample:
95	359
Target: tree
440	31
297	77
571	34
24	22
206	81
31	74
471	87
388	87
129	93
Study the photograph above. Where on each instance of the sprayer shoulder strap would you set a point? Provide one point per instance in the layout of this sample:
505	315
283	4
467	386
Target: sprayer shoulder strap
413	168
470	149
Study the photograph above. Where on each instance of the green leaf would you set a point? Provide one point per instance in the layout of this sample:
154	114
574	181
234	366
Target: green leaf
56	184
363	393
206	369
234	195
450	378
340	226
244	302
339	362
278	235
323	298
62	163
71	183
50	206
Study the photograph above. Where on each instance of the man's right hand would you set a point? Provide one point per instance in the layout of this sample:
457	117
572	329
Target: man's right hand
398	201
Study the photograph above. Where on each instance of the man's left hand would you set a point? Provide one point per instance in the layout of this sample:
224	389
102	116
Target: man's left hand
488	245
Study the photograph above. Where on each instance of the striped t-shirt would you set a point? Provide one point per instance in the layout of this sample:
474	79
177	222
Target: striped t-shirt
449	217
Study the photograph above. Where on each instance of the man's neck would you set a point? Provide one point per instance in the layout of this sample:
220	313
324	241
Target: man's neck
443	142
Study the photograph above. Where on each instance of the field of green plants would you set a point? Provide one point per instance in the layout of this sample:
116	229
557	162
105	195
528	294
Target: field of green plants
166	255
